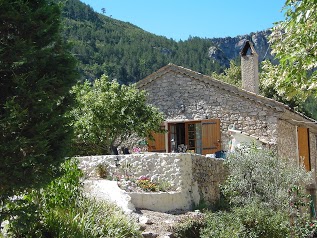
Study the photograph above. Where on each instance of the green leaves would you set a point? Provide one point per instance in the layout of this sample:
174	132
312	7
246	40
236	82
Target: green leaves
36	74
294	41
108	113
257	175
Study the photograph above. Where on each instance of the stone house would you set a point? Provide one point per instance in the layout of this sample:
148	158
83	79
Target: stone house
199	110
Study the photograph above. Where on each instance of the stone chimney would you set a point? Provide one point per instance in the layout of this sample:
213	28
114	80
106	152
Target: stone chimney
249	68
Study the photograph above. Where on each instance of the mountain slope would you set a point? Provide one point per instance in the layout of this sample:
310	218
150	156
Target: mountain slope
127	53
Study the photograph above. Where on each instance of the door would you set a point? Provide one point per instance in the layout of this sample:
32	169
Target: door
158	142
303	146
211	141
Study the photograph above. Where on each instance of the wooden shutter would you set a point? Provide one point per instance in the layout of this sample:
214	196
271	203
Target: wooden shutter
303	146
158	144
211	142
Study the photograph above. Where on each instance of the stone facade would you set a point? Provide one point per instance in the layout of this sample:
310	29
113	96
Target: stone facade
287	139
194	178
184	95
201	101
313	151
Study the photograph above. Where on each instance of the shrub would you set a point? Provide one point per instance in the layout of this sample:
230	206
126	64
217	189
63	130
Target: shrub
258	175
190	227
102	170
147	185
275	187
61	210
90	219
164	186
251	220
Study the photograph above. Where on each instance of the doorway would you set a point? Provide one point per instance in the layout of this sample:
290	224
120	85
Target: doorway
197	136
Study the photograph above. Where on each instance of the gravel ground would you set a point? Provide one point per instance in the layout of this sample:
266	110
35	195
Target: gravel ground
161	224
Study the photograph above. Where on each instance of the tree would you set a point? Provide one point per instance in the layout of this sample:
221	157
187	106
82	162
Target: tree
36	74
108	113
294	41
231	75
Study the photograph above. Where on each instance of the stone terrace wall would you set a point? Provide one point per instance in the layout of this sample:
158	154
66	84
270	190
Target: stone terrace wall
194	178
172	167
209	174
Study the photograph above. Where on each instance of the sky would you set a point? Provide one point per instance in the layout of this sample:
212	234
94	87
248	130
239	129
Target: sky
179	19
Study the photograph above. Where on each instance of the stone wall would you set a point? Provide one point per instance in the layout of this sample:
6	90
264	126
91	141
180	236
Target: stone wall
193	178
287	140
209	175
173	92
313	152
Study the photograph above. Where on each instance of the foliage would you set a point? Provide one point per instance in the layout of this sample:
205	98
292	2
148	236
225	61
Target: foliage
231	75
164	186
36	74
258	175
108	113
267	196
310	107
309	230
61	210
252	220
64	191
190	227
61	193
147	185
297	102
125	52
271	185
91	219
294	43
102	170
129	183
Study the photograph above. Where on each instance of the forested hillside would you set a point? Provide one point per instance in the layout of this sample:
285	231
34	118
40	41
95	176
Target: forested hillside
124	51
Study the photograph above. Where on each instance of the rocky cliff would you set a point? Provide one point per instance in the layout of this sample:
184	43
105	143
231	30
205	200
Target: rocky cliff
228	48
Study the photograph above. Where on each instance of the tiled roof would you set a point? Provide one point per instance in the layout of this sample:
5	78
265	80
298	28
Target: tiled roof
208	80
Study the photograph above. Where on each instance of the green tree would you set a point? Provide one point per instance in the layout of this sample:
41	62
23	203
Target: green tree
36	74
294	41
231	75
108	113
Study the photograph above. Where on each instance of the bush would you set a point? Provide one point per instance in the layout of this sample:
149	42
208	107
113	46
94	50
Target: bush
89	219
274	187
190	227
61	210
258	175
102	170
248	221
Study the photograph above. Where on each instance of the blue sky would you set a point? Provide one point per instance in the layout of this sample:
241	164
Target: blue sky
179	19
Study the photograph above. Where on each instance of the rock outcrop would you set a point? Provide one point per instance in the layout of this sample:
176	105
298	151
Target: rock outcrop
228	48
